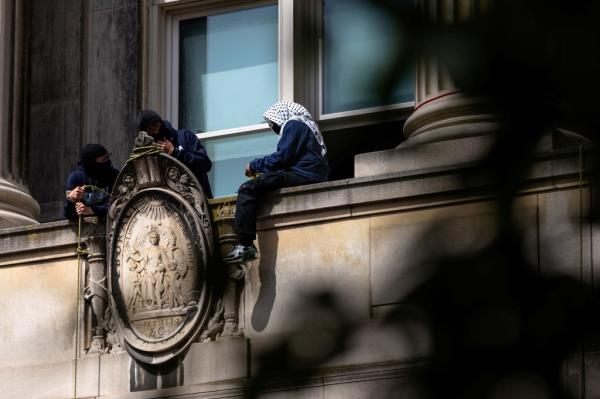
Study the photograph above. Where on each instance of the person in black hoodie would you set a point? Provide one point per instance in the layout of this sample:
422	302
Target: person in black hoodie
89	185
181	144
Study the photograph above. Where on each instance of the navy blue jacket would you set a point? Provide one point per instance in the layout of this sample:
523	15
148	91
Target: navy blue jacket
190	151
297	151
97	200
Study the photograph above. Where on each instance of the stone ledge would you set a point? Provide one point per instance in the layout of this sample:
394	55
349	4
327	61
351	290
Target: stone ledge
343	198
38	237
321	378
412	188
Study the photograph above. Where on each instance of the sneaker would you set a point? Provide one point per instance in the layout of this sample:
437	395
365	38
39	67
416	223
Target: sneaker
241	254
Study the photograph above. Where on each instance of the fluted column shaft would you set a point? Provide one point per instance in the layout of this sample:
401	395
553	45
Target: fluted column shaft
17	207
442	112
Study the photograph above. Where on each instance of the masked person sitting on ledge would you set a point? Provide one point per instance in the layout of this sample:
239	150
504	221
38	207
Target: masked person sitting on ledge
181	144
90	183
300	159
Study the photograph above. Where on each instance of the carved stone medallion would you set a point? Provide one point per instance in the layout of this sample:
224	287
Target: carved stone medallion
160	251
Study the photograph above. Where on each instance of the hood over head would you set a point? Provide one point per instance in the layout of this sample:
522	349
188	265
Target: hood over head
88	156
283	111
146	118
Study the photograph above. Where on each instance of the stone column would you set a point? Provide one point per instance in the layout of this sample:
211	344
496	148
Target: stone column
447	127
17	207
441	111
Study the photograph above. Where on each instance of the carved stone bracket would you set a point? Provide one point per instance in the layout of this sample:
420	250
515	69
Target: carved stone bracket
223	216
95	292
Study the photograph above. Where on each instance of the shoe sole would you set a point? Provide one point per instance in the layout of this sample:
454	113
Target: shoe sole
241	259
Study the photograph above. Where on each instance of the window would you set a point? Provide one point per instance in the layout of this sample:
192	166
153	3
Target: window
228	69
230	154
357	41
222	76
214	67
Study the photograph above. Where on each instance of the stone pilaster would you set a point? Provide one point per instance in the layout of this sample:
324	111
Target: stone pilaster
447	127
17	207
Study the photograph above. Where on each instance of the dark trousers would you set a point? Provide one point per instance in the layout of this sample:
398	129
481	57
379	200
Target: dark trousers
247	201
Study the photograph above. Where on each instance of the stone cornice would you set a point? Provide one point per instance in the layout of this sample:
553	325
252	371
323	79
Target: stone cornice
345	198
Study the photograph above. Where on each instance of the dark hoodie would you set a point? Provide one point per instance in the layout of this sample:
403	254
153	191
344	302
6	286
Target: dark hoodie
188	149
88	172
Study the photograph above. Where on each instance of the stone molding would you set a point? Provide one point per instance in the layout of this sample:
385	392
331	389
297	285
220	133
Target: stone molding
17	207
451	116
342	199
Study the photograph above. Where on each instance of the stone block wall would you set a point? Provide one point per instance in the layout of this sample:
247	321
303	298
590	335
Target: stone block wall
360	238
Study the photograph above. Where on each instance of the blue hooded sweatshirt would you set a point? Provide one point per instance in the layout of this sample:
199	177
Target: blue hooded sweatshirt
190	151
297	151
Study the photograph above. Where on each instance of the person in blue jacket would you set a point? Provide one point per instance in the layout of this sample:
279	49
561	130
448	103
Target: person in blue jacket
181	144
300	158
89	185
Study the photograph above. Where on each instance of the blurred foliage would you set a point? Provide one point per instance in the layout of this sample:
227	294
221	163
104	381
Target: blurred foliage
498	328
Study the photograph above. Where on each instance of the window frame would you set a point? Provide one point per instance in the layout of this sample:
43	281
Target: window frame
163	55
358	117
300	65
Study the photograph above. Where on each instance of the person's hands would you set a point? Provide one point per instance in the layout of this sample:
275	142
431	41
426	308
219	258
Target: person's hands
249	172
76	194
166	146
83	210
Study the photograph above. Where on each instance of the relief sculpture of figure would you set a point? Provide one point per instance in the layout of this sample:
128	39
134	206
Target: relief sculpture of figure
136	267
156	261
178	268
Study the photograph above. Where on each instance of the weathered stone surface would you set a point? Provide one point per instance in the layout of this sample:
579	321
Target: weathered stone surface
299	393
381	389
304	260
112	76
377	344
46	381
99	5
525	211
564	239
55	125
422	156
114	374
592	374
38	313
70	107
55	40
88	376
400	241
38	238
221	360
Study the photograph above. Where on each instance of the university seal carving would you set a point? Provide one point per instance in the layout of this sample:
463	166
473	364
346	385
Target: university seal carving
160	250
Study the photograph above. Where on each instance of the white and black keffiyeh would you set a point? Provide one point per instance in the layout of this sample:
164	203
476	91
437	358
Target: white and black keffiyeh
283	111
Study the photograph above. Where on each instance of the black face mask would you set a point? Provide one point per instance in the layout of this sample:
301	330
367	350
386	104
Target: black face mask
162	134
99	169
275	127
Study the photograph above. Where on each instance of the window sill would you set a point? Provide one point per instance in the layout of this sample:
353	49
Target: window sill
367	116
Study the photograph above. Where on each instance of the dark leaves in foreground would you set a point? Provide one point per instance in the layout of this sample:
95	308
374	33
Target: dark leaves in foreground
498	328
